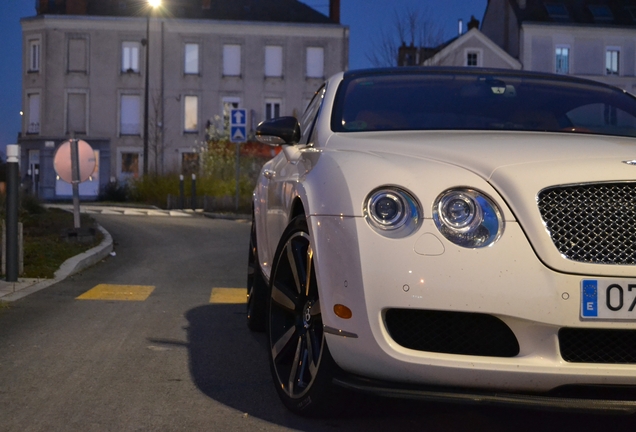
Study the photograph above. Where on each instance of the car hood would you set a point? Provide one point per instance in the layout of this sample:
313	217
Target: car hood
517	165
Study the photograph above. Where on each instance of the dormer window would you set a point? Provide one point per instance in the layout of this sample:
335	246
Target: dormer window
601	13
557	11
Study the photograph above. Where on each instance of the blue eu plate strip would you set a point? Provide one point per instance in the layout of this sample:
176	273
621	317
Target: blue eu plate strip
589	298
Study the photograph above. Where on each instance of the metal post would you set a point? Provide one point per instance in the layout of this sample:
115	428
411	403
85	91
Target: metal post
181	193
147	79
75	177
194	192
13	180
37	183
237	176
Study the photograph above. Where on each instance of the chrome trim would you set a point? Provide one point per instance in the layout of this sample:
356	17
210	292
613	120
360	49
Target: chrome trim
337	332
591	222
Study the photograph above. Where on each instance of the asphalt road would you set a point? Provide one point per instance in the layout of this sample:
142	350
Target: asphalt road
175	361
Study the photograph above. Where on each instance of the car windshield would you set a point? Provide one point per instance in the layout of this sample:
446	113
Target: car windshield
488	101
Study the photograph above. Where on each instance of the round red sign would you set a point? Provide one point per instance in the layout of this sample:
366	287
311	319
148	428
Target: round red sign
62	161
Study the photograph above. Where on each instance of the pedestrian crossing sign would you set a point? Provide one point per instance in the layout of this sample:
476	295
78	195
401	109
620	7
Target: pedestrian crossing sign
238	134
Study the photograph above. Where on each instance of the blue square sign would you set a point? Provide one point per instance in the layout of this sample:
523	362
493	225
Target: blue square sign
238	128
238	117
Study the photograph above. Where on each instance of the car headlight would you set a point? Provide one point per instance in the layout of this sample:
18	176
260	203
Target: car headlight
392	212
468	218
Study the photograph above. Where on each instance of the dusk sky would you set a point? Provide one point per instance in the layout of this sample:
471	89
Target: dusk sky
367	19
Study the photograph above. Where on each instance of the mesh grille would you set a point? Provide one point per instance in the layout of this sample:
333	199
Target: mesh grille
451	332
597	345
592	223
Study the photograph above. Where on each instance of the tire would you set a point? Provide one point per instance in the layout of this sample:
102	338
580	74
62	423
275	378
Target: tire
256	288
300	362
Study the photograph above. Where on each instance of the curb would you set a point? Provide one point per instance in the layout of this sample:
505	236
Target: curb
69	267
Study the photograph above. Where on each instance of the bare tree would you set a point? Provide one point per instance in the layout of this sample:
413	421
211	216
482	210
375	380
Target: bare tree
156	132
410	27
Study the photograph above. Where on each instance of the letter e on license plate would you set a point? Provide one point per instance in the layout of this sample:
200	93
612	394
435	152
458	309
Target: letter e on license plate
608	299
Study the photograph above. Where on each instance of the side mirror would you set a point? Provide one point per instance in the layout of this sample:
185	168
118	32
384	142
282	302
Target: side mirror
279	131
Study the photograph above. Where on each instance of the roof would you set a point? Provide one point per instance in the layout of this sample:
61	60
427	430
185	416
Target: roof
465	40
234	10
589	12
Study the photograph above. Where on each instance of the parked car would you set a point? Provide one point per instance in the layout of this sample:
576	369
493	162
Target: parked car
453	234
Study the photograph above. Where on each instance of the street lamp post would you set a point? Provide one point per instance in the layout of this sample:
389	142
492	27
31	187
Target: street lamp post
152	4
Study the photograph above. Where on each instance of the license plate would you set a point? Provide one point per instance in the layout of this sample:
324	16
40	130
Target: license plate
608	299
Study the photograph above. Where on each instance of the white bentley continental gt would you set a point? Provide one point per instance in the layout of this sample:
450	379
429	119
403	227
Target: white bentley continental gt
453	235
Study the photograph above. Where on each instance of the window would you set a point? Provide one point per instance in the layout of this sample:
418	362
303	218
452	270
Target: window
33	119
315	62
557	11
562	60
189	163
34	55
231	60
129	115
472	58
273	61
130	164
309	117
228	103
191	58
601	13
77	55
76	110
272	108
191	114
612	56
130	57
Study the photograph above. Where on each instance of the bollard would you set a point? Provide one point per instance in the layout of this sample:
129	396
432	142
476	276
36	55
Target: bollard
194	192
13	181
181	193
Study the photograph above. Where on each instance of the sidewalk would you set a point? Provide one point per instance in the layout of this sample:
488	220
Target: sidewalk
11	291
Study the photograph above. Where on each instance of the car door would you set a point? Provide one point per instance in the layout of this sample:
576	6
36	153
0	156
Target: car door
282	176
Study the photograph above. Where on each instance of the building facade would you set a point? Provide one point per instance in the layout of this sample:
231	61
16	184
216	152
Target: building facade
590	39
85	71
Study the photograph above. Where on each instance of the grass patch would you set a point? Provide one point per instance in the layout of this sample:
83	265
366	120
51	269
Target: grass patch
45	244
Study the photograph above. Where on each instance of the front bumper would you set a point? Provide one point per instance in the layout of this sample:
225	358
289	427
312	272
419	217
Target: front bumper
465	396
371	274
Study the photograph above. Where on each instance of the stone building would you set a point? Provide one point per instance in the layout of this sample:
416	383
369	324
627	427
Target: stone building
86	63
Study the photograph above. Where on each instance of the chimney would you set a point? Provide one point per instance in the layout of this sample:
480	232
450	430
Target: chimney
206	4
460	27
334	11
76	7
473	23
522	4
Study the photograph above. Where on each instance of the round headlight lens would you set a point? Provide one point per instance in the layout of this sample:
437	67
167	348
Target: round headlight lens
458	210
468	218
387	209
392	212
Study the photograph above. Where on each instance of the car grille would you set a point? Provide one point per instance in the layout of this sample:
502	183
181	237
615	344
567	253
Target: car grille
597	345
592	223
451	332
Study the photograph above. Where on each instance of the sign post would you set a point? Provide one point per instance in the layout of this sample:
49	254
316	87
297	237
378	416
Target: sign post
238	135
75	162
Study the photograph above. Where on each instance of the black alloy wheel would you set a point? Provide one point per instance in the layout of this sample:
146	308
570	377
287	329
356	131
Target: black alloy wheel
300	361
256	288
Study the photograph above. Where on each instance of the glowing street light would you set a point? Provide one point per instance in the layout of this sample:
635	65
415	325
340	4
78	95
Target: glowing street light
153	5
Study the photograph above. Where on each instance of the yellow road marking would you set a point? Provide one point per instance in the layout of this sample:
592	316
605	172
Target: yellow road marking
118	292
228	295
